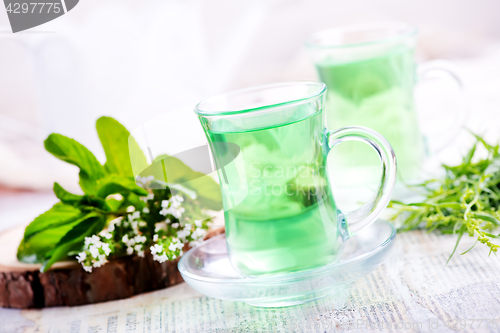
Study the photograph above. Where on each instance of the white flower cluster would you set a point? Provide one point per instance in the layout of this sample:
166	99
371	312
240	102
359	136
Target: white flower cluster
135	244
147	198
95	252
133	239
196	235
128	233
144	181
160	253
172	206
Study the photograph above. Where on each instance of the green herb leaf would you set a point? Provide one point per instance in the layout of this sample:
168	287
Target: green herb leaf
171	170
460	234
74	239
71	151
113	184
59	214
36	247
113	204
123	154
65	196
465	200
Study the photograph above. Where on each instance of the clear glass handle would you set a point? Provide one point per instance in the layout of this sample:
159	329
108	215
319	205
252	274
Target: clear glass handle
369	212
445	69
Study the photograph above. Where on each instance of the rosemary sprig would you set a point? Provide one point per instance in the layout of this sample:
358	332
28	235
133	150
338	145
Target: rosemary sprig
465	201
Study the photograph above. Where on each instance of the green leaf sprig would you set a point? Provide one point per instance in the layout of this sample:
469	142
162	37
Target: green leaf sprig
465	201
115	216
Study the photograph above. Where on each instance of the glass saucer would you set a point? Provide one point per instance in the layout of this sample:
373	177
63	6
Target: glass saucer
207	269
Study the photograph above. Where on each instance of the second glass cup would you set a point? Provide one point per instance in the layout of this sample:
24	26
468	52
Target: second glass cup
270	145
370	73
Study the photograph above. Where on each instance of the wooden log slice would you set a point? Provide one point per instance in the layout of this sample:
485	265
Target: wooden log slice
66	283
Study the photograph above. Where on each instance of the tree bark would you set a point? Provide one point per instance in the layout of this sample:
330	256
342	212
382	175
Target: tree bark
24	286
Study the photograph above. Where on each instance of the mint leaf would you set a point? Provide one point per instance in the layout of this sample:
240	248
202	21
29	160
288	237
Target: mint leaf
116	184
83	202
71	151
173	171
65	196
123	154
36	247
59	214
74	239
114	204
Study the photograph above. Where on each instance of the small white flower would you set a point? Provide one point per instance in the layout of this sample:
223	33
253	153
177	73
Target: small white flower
125	239
81	256
88	240
182	234
106	235
198	233
138	247
165	203
94	251
88	268
130	209
157	248
164	212
175	225
176	244
161	258
145	210
178	212
149	197
140	254
160	226
106	249
197	223
143	181
195	243
155	237
140	239
130	250
134	216
177	198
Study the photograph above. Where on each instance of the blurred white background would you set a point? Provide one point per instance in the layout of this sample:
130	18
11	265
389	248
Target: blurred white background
135	60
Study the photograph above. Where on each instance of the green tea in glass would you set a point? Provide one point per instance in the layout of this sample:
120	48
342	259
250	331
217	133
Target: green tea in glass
269	145
370	73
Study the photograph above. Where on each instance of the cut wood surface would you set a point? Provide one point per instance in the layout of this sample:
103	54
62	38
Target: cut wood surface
66	283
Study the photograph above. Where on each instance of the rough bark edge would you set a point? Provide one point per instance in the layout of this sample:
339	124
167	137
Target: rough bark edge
118	279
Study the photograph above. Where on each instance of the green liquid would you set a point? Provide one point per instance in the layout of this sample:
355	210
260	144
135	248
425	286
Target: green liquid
376	93
279	212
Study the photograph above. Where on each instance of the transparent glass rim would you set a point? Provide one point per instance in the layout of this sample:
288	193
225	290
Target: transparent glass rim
407	31
320	89
287	277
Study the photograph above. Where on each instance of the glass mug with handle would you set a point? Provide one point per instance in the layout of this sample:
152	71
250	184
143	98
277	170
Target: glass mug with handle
369	70
269	145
